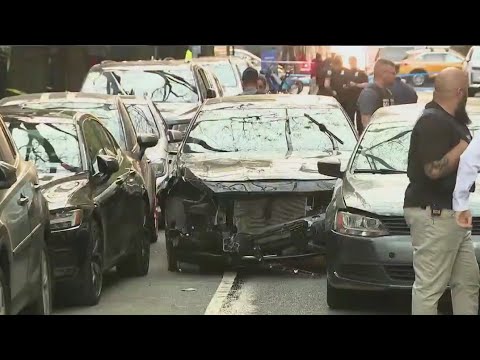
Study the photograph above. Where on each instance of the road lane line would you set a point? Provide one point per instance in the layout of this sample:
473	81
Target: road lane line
221	294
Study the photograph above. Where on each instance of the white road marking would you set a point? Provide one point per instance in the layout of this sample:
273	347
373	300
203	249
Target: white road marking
218	299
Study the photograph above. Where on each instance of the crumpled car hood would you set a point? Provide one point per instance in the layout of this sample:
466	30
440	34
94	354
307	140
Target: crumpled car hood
384	194
258	166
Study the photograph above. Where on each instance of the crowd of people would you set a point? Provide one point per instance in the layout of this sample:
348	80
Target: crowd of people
350	86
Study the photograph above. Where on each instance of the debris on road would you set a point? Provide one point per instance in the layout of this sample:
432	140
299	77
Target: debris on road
189	289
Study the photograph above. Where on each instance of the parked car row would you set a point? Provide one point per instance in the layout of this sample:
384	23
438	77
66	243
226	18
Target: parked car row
88	162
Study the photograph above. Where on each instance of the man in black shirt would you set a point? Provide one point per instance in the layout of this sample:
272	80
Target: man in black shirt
357	80
335	80
442	251
377	95
403	93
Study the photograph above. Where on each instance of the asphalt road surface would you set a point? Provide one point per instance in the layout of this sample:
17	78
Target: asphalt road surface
293	289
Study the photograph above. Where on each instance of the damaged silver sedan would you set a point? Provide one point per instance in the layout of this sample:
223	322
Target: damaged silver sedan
245	185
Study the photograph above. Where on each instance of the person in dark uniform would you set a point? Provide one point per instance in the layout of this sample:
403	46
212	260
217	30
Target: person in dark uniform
335	80
357	80
443	251
403	93
377	94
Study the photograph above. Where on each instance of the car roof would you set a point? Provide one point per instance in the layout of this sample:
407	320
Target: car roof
40	115
271	101
211	59
140	64
60	97
132	99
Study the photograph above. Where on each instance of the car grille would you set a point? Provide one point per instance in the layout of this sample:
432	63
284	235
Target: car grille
400	272
252	216
397	225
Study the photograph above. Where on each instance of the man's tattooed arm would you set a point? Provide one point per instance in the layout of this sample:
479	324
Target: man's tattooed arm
446	165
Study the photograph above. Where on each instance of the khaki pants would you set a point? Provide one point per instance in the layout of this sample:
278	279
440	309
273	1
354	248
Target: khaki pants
442	254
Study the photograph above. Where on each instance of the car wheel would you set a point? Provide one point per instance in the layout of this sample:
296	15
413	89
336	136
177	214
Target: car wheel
472	92
172	259
89	283
418	78
138	262
337	298
4	295
43	305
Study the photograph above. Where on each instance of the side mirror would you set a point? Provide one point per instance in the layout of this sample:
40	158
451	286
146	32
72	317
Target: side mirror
211	94
174	136
146	141
107	165
8	175
330	167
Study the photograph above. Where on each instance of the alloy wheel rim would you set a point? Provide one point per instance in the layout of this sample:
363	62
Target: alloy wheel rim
418	79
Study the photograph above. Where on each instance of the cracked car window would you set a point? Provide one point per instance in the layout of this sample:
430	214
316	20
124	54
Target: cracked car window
307	137
145	83
52	147
384	146
248	130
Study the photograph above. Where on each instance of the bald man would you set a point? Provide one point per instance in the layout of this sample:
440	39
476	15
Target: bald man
443	251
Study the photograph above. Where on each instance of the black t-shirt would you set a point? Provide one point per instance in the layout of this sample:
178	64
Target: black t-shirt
373	98
358	77
433	136
338	80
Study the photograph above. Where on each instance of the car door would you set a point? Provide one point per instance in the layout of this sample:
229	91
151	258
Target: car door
434	62
453	60
134	186
110	195
140	164
153	163
15	203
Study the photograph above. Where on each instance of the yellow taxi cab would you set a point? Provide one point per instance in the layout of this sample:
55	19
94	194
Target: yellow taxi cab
420	65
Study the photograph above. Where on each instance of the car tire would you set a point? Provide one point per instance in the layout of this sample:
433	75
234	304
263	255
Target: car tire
472	92
172	259
337	298
4	294
44	304
89	282
138	262
418	78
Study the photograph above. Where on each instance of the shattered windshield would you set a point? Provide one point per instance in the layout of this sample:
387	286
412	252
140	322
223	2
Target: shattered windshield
224	72
106	113
386	143
384	147
167	85
272	130
52	147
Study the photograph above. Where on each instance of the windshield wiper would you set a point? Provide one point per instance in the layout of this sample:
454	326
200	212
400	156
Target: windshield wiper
379	171
173	77
324	129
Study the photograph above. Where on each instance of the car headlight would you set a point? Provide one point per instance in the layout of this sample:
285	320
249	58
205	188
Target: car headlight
359	225
476	75
159	167
66	219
